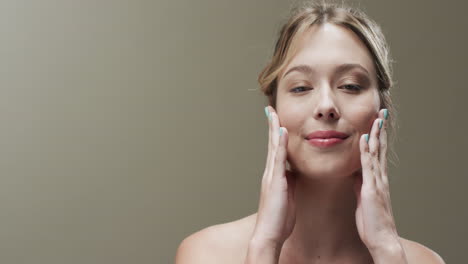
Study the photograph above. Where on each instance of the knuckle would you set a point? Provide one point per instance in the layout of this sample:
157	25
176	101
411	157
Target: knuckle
367	160
380	187
385	183
279	157
264	178
265	181
370	193
280	184
275	144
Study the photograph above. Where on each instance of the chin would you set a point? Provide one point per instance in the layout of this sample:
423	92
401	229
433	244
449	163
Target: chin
329	167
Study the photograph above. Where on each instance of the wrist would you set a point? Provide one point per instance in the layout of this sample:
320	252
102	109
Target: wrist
389	253
260	238
263	251
261	243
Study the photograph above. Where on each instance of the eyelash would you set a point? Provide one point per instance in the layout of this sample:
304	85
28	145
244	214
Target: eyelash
355	87
296	88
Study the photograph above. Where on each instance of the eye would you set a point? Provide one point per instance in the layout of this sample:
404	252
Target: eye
352	87
299	88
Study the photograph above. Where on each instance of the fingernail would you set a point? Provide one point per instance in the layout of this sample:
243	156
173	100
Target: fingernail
367	137
267	113
385	113
281	131
380	123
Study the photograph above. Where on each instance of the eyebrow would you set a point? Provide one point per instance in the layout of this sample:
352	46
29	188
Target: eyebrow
338	70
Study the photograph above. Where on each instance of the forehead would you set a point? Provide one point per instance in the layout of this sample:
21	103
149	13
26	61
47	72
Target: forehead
326	46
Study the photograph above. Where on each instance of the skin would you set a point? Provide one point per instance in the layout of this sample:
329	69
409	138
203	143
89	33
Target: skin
322	101
334	205
326	179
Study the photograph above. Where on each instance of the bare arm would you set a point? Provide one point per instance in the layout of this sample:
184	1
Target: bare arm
418	253
194	250
276	214
262	253
276	211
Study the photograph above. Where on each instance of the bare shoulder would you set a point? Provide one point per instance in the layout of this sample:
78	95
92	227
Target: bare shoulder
222	243
418	253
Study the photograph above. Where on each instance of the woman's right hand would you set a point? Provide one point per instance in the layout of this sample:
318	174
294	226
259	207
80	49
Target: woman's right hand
276	215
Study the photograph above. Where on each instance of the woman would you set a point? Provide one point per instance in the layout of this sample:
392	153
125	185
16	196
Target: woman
325	194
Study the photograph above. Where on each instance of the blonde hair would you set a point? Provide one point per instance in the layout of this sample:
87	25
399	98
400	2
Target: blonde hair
315	13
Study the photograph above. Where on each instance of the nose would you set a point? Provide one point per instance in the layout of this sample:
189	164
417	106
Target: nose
326	106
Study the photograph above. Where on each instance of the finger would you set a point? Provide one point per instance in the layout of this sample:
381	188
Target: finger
291	179
274	133
374	148
383	157
367	167
383	145
374	139
279	172
267	171
269	163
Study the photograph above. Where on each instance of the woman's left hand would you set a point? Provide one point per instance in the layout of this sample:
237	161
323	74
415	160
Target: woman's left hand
374	216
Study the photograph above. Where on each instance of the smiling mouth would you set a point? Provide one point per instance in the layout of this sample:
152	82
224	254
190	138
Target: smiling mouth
326	142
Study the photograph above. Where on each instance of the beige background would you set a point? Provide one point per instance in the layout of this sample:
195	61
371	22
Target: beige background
129	125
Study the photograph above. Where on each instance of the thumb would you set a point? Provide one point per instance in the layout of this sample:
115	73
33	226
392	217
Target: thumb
358	185
291	179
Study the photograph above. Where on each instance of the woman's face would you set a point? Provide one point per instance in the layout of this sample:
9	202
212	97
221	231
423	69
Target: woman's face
330	84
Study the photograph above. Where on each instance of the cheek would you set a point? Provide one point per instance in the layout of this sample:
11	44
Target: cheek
363	119
362	113
291	117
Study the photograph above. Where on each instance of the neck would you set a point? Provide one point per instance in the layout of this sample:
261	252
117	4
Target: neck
325	226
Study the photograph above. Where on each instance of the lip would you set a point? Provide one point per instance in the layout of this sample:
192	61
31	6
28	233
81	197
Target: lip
326	138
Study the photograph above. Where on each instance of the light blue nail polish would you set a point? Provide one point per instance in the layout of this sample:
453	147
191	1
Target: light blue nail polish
385	113
267	113
367	137
380	123
281	131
